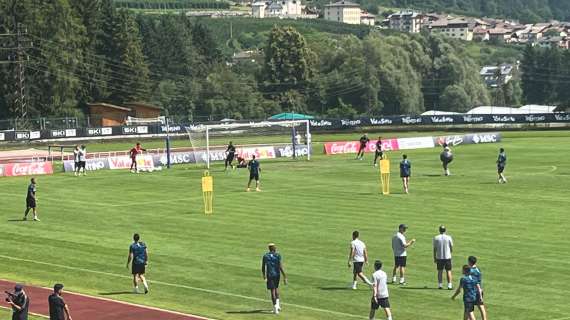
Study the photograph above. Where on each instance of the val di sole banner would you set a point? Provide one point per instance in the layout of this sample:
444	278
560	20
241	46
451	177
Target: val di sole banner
342	147
321	124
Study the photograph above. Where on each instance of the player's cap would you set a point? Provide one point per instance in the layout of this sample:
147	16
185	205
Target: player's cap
403	226
271	244
18	287
442	228
57	287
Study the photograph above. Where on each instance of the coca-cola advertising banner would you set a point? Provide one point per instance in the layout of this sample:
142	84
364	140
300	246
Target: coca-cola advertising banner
340	147
27	169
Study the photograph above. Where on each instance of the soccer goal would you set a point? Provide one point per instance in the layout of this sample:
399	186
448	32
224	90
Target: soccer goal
161	120
266	139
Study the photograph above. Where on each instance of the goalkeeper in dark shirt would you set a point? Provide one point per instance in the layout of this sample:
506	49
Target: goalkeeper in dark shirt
230	154
363	142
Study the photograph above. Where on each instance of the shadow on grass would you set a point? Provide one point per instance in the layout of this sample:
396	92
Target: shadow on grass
419	288
116	293
18	220
335	288
258	311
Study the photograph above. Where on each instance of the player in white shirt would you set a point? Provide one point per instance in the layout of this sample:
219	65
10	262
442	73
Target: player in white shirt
76	160
442	249
399	246
82	159
358	256
380	293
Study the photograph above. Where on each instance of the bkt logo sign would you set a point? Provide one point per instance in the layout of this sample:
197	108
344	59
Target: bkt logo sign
485	138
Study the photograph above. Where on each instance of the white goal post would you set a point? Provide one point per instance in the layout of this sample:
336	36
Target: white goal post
207	140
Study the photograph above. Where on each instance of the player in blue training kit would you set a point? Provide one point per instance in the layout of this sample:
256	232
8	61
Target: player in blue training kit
406	172
501	164
476	274
139	256
254	170
271	269
471	290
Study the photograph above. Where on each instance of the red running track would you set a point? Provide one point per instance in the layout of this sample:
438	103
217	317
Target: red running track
85	307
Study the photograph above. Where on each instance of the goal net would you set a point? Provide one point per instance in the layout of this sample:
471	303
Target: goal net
265	140
135	121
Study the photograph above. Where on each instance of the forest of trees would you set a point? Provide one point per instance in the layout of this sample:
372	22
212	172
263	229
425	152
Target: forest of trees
87	51
527	11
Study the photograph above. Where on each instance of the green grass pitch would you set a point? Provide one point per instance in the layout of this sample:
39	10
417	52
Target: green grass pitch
210	265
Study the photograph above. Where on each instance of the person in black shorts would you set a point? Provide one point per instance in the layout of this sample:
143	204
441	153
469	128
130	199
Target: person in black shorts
446	157
254	170
363	142
230	154
76	160
31	200
379	151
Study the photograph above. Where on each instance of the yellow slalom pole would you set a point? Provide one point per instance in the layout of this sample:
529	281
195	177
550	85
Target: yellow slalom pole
208	192
385	176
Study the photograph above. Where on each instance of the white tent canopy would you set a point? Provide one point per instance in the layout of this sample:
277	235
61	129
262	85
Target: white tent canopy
528	109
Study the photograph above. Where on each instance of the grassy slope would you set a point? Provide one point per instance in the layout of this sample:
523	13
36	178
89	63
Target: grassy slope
309	210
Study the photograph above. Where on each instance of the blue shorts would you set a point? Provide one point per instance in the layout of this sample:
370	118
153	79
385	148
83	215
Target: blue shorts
273	282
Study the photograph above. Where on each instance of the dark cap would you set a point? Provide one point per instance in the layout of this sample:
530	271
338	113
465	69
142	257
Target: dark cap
442	228
403	226
18	287
57	287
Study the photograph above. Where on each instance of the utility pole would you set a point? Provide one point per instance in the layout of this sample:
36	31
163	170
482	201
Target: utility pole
19	57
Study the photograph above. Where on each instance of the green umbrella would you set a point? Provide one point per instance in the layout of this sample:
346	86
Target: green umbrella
290	116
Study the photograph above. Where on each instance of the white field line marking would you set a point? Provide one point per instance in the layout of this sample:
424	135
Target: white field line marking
183	287
32	313
552	169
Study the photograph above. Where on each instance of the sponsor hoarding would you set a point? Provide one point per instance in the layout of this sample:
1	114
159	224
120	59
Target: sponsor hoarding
2	136
415	143
27	169
341	147
1	170
124	162
90	164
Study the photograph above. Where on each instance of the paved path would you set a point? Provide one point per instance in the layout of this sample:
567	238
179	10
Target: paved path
85	307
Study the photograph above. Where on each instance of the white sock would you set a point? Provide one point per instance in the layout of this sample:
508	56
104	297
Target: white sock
394	279
402	280
440	285
389	318
277	303
145	284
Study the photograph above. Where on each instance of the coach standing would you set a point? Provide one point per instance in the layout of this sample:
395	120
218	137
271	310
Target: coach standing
31	200
399	246
19	302
58	309
442	249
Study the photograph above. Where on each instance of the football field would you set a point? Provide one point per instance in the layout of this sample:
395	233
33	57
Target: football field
210	265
